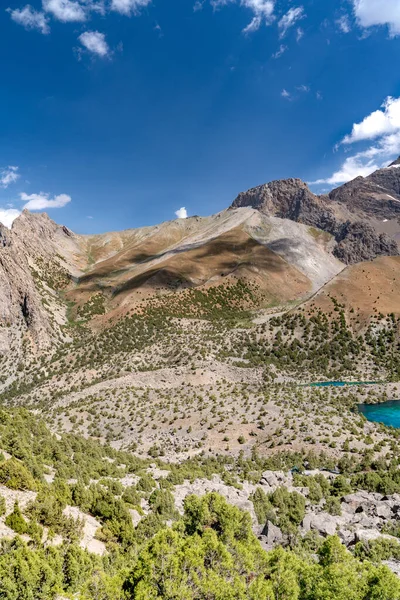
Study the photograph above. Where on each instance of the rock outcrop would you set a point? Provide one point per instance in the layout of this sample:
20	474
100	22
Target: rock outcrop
27	301
363	215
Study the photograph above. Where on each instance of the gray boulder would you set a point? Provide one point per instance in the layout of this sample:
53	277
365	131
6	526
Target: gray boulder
324	523
368	535
272	535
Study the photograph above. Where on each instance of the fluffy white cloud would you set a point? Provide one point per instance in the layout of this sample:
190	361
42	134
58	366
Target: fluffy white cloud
65	10
263	11
289	19
129	7
95	42
8	176
42	201
382	126
378	12
8	216
30	18
285	94
378	123
353	167
181	213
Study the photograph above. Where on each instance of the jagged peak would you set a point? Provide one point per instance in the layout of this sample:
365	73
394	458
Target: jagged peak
32	217
395	163
39	223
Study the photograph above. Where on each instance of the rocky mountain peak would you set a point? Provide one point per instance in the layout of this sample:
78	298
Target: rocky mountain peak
277	198
34	223
349	213
395	162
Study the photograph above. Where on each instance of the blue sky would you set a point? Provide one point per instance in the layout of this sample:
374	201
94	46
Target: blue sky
117	113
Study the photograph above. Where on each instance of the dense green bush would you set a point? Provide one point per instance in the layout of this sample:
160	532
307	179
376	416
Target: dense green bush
16	476
262	506
16	521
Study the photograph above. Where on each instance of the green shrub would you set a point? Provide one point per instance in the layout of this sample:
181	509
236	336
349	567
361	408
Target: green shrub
14	475
16	521
2	506
262	506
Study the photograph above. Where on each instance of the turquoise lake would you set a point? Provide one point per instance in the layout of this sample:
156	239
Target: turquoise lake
386	412
339	383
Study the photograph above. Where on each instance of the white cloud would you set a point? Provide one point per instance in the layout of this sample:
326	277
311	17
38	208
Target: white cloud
378	123
66	11
30	18
129	7
253	25
289	19
353	167
282	49
8	176
378	12
299	34
95	42
42	201
344	24
8	215
181	213
303	88
285	94
383	127
263	11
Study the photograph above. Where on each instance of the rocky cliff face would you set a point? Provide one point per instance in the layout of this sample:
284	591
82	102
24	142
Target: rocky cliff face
362	215
30	269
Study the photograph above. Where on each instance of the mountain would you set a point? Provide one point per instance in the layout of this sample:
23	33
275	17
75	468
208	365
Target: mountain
51	274
176	374
363	215
279	238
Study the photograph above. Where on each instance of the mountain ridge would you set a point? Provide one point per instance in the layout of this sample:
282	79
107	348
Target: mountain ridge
279	237
362	215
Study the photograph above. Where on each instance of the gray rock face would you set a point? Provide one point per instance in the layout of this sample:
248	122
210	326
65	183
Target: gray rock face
358	242
31	238
355	214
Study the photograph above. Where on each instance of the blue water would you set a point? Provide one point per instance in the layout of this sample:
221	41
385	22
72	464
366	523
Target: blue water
340	383
385	412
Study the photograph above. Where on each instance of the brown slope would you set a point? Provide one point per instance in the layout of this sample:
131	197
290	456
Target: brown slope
285	259
121	248
235	254
367	288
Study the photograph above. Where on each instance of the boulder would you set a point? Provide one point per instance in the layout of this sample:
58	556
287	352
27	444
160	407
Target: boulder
384	510
275	479
346	536
324	523
271	534
364	521
368	535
